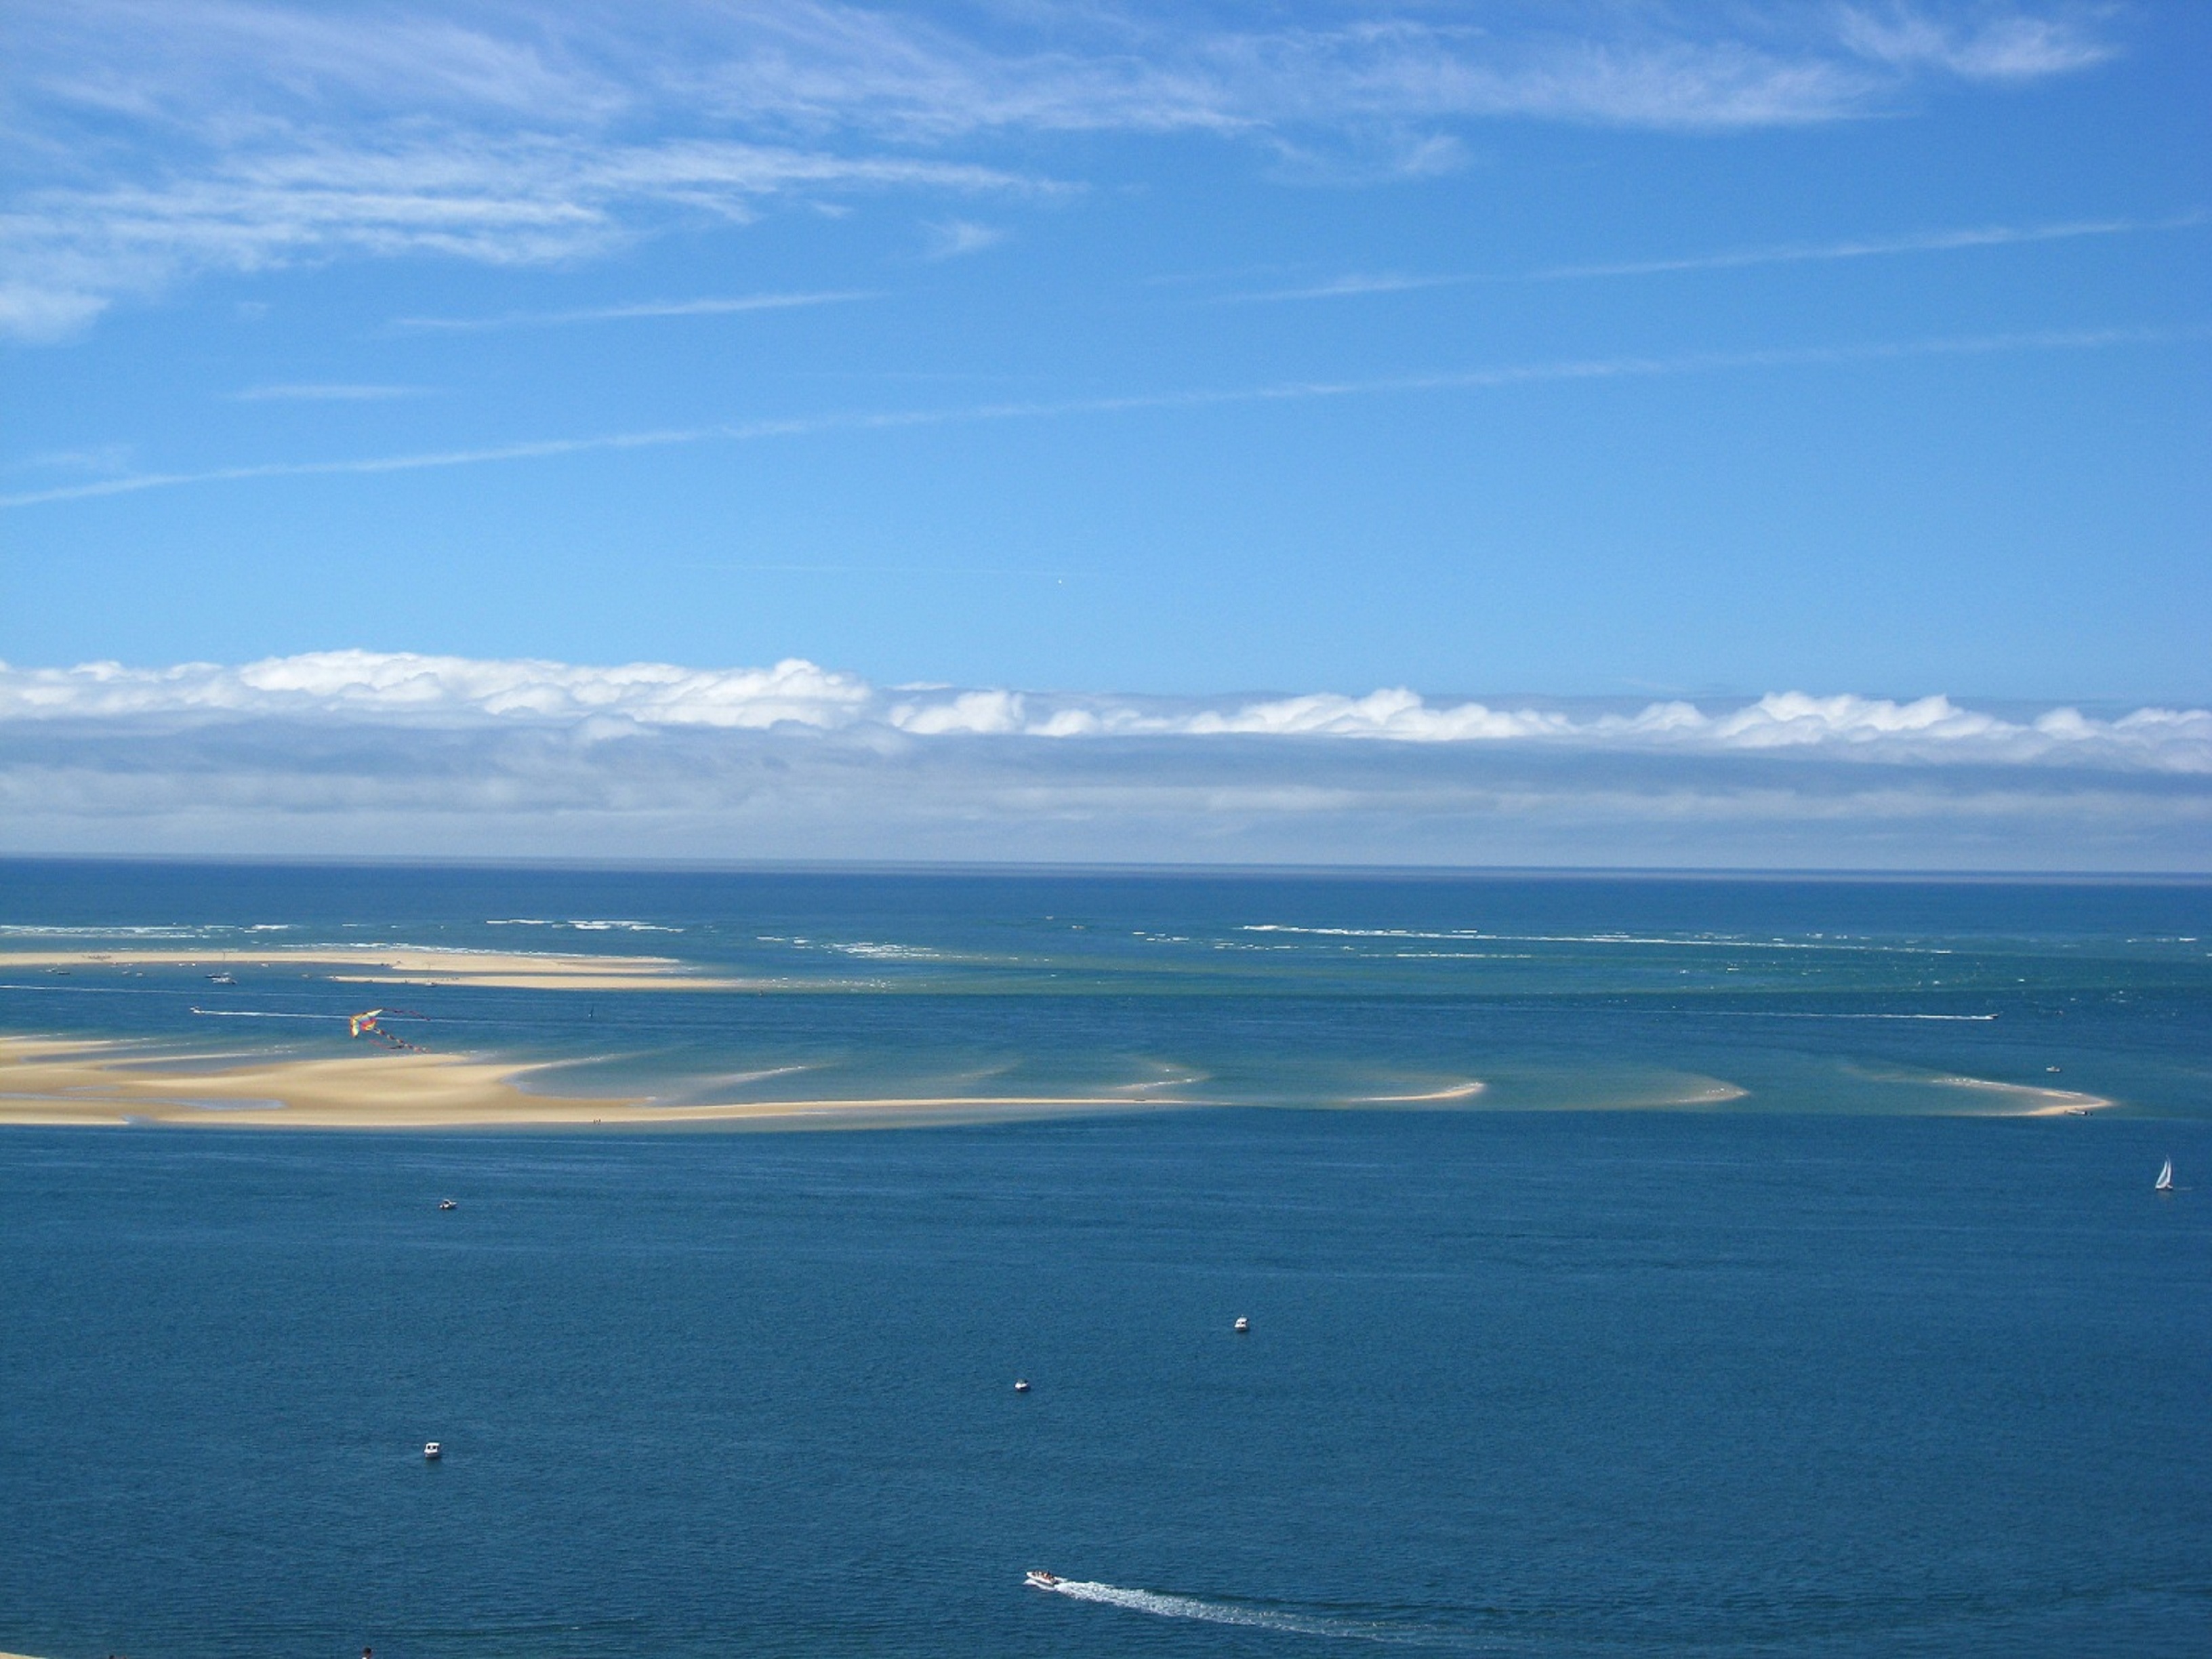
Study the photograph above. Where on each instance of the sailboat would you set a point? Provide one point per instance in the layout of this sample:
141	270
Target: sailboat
2164	1181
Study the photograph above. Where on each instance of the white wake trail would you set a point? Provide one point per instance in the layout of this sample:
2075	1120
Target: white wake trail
1230	1613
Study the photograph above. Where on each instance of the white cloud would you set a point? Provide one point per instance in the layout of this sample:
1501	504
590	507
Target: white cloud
955	237
37	312
513	201
2005	47
404	686
351	753
403	690
153	141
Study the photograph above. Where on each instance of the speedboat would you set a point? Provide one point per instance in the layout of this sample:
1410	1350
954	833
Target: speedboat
1242	1326
1042	1580
222	978
432	1451
1021	1385
447	1204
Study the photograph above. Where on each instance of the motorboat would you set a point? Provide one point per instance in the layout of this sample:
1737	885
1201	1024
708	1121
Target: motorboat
432	1451
1040	1579
447	1204
222	978
1021	1385
1242	1326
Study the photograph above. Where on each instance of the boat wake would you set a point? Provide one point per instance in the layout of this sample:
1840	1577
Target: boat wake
1292	1622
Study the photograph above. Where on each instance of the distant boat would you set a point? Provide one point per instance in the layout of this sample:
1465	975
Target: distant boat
1021	1385
447	1204
221	979
432	1451
1041	1580
2164	1181
1242	1326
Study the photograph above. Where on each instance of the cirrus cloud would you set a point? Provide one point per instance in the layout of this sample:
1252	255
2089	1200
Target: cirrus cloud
151	142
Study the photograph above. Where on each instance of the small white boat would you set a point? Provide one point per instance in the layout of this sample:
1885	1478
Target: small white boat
432	1451
1242	1326
1041	1580
221	979
1021	1385
447	1204
2164	1181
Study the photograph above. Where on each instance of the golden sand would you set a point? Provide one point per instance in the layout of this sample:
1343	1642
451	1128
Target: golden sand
370	964
58	1082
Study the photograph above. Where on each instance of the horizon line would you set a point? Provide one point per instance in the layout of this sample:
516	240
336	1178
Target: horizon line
1050	867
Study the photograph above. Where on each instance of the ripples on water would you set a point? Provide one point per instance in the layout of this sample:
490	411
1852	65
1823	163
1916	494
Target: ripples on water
1755	1379
1755	995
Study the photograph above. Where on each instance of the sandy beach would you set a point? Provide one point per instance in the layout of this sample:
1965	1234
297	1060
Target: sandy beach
60	1081
370	964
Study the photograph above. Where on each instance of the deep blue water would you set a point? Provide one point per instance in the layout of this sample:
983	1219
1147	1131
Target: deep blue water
1517	1383
1816	1373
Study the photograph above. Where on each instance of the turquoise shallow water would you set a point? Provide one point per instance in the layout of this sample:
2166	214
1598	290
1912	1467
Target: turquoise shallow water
1757	995
1808	1372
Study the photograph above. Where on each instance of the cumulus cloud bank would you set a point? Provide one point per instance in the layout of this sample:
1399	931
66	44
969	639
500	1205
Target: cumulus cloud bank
404	688
365	751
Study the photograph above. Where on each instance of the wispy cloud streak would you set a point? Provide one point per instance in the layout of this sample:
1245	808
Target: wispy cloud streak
1472	379
1934	241
720	305
319	392
1361	284
155	140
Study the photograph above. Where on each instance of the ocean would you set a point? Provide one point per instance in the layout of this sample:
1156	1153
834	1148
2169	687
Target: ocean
1633	1266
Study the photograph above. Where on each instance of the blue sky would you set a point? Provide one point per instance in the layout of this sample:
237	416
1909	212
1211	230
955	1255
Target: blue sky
1632	352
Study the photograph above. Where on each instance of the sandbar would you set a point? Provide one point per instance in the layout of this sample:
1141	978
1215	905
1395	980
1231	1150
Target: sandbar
2031	1100
372	964
110	1084
1467	1091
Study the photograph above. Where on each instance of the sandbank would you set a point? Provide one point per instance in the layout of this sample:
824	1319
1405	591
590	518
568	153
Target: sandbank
371	964
2030	1100
1467	1091
109	1084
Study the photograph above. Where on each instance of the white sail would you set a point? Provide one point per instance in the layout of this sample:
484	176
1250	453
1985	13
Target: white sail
2164	1181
